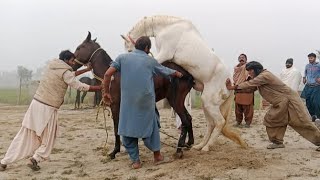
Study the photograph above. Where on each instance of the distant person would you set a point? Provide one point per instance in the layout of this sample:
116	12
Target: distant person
291	76
244	98
286	107
311	91
39	126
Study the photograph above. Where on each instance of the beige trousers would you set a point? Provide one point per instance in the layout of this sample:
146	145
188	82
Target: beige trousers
26	144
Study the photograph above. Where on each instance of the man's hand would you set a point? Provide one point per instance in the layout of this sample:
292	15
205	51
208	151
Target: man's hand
89	67
107	99
228	85
178	74
304	80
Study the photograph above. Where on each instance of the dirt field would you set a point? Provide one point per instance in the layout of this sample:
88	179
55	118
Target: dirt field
78	153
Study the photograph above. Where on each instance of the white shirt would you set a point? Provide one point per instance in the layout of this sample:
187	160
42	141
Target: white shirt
291	77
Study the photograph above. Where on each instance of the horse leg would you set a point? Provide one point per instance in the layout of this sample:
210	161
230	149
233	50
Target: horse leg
206	98
212	99
210	127
115	116
77	102
190	130
83	96
115	109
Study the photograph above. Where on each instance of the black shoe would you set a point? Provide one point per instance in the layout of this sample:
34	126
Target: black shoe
3	167
34	165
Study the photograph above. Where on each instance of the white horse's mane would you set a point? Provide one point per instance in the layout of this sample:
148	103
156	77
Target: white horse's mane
158	20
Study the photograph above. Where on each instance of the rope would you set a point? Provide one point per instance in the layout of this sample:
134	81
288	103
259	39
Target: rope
104	108
79	62
169	135
93	54
97	77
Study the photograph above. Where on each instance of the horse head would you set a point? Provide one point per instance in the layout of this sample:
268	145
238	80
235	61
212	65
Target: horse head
85	51
128	43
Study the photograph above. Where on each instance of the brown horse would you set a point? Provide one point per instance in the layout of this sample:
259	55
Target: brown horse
175	90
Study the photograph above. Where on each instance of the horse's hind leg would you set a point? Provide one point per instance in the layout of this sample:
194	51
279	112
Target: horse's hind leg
210	127
77	102
212	108
83	96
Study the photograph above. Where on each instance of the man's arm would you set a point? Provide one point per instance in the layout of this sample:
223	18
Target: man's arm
253	83
106	84
305	75
165	71
77	73
70	78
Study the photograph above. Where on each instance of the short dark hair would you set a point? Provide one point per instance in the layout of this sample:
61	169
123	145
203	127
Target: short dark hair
243	55
256	66
66	55
142	43
312	55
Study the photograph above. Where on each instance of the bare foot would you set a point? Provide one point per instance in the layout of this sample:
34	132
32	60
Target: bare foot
136	165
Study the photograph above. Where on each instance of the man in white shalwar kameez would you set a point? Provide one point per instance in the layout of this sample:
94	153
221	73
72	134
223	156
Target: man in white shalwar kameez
291	76
40	123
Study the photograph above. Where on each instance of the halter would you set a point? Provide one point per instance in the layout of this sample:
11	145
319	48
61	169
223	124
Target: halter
94	52
81	63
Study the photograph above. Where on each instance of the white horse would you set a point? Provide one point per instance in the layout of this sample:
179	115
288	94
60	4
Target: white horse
178	40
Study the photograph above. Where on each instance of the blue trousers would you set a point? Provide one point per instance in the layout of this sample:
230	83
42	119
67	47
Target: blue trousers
152	143
312	96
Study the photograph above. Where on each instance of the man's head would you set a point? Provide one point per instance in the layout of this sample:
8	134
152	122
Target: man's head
143	44
254	68
242	59
67	57
289	63
312	58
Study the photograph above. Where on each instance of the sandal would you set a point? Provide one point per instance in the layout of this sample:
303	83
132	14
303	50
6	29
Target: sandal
3	167
33	165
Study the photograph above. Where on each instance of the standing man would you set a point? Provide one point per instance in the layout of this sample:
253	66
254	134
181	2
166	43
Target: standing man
138	117
311	91
286	106
291	76
40	123
244	99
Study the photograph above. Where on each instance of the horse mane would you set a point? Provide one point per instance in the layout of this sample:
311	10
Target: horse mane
155	21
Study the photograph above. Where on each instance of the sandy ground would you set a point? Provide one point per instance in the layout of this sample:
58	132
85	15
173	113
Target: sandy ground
79	154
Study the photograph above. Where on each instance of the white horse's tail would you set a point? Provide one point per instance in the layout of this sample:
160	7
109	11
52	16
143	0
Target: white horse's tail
227	131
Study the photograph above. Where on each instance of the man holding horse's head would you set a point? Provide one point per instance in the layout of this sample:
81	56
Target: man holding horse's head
39	126
138	117
287	107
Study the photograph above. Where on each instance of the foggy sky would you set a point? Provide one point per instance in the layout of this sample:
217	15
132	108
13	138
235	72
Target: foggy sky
270	31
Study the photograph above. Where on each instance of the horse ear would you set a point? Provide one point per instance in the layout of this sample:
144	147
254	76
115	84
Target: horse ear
123	37
89	36
94	40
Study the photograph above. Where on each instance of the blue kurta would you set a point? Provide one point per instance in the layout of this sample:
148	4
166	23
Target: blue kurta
137	106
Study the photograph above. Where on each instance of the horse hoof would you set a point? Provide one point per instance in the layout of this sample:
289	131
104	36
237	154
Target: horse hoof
178	155
112	156
197	147
206	149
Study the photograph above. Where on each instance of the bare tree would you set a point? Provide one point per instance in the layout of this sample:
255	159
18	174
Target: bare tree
25	76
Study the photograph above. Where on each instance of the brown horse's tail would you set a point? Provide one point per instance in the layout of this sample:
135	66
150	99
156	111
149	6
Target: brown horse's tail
227	131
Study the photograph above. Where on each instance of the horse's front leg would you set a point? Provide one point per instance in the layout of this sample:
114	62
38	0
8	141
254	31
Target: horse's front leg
117	145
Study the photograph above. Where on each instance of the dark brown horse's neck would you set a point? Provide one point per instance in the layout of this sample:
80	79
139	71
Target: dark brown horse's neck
100	64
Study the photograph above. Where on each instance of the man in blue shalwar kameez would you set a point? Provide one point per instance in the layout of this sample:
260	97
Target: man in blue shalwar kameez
138	117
